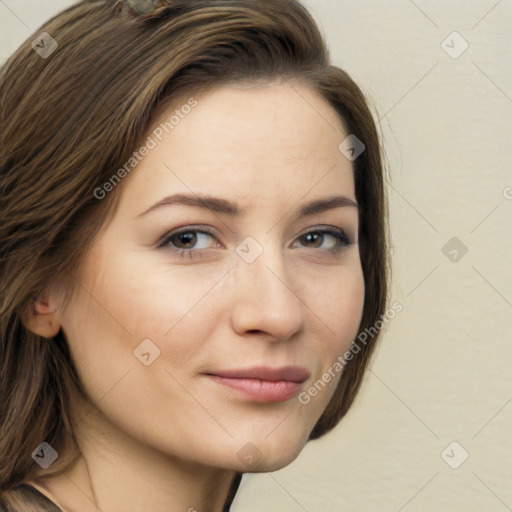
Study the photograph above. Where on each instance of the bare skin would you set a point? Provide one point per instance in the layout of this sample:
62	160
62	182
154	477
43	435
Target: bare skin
168	436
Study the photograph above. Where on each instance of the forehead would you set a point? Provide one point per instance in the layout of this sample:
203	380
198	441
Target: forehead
268	141
285	116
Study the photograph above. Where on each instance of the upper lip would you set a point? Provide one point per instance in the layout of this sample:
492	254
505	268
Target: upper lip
288	373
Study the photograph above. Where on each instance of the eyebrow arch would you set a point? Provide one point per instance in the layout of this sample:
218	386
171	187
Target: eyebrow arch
219	205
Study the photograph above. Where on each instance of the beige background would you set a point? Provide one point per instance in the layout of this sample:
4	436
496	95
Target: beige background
440	374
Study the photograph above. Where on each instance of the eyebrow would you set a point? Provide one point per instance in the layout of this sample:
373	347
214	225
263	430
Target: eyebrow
219	205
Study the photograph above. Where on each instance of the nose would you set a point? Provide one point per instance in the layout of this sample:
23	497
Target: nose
264	298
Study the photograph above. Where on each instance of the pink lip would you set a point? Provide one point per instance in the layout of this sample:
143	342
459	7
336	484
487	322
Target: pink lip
263	384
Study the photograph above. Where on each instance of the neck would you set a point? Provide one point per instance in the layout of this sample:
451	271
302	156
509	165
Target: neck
116	471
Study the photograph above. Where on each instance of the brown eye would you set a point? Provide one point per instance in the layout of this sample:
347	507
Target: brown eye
315	239
185	242
184	239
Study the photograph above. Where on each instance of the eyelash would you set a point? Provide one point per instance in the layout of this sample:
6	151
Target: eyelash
339	234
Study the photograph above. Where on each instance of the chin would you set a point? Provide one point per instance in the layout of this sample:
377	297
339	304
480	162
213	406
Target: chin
267	455
272	464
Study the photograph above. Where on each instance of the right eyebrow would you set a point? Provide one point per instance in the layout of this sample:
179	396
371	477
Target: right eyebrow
215	204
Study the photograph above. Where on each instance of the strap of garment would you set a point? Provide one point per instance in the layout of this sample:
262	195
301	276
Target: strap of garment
232	492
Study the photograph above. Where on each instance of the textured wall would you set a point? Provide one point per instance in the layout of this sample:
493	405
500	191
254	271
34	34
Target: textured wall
440	375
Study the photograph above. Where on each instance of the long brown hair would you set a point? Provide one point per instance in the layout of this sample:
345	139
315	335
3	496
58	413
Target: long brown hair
72	117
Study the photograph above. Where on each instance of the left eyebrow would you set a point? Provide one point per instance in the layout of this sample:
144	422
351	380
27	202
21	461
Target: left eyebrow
322	205
219	205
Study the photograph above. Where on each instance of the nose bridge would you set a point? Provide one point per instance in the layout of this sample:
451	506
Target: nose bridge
264	297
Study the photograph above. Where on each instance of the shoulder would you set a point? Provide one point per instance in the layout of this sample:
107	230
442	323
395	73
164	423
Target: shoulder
25	498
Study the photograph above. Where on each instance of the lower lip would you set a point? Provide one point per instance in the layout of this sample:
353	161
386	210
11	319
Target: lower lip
262	390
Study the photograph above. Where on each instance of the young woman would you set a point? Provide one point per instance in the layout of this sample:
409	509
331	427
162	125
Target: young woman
193	234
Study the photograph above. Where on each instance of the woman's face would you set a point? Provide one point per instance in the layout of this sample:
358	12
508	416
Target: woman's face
170	332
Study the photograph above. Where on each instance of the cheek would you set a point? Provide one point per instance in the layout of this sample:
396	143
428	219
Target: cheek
339	306
99	323
134	300
338	303
350	309
152	298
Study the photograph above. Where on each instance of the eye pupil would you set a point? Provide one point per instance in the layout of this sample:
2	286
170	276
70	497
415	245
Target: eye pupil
314	237
188	238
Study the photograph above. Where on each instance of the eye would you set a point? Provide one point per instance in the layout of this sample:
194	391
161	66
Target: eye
181	242
191	242
337	237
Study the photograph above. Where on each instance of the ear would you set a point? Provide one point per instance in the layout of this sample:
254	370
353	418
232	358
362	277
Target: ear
42	318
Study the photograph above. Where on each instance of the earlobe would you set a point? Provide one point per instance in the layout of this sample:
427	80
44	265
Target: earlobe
42	317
